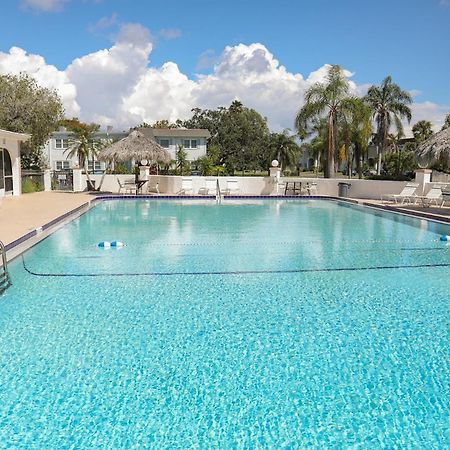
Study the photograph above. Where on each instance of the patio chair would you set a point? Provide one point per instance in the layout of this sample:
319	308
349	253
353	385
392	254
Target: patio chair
433	195
445	195
129	186
232	187
186	187
407	195
210	187
311	188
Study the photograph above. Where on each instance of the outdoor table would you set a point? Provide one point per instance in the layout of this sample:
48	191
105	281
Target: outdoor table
294	186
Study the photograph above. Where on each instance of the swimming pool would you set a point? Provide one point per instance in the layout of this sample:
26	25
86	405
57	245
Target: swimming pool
304	323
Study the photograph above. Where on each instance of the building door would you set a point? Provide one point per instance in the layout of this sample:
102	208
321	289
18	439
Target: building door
6	176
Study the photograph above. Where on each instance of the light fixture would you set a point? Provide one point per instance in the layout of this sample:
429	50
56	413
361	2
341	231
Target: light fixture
144	162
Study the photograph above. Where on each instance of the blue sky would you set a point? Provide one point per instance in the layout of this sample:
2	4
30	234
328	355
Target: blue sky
409	40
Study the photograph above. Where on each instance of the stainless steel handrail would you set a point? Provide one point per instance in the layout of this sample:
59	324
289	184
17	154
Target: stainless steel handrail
6	282
218	193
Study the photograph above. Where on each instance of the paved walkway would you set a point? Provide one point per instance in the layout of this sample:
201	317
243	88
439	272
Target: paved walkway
19	215
433	212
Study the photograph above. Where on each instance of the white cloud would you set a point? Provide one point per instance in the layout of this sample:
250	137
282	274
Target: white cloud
103	23
17	61
117	85
429	111
44	5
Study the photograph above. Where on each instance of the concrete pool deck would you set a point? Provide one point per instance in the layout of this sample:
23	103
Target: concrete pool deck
23	214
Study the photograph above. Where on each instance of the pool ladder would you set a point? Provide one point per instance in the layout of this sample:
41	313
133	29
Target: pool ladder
5	280
218	193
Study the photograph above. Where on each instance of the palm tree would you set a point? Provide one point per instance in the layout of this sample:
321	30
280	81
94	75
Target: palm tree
389	105
422	131
331	99
356	131
284	148
85	147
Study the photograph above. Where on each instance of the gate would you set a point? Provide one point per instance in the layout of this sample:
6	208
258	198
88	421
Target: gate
62	180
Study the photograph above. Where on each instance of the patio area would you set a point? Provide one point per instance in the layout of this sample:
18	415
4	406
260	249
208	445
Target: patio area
20	215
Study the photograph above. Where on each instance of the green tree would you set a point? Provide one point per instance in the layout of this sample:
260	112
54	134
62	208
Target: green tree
164	124
182	164
240	133
356	133
389	105
84	145
400	163
422	130
331	99
284	149
26	107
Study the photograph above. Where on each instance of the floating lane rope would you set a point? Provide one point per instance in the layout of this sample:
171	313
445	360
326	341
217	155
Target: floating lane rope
238	272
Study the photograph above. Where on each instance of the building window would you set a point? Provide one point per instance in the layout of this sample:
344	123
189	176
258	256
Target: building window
190	143
61	143
164	143
94	165
62	165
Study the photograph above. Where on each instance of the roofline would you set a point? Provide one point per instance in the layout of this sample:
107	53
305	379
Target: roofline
13	135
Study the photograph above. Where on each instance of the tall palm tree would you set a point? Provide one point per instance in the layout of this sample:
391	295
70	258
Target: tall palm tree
422	130
85	147
331	99
389	105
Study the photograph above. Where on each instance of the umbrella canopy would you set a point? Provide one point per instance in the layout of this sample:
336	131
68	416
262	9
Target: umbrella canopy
436	147
135	146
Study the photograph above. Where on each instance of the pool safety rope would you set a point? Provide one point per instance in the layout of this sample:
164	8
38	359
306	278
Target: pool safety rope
231	272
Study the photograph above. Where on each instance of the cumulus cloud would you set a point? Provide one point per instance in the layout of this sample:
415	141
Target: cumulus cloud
105	78
118	86
17	61
44	5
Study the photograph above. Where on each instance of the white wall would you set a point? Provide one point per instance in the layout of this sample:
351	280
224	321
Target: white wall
363	189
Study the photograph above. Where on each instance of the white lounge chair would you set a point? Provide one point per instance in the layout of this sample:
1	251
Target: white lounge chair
210	187
407	195
186	187
445	195
129	186
232	187
434	195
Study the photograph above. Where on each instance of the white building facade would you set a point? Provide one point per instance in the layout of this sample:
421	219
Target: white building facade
56	150
193	141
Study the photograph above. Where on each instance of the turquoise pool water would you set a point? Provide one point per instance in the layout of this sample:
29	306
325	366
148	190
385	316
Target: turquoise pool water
258	324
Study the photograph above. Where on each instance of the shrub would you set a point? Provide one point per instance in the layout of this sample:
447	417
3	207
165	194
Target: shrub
28	186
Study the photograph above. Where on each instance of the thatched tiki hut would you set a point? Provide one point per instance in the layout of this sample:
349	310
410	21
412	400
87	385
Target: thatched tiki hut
136	146
436	148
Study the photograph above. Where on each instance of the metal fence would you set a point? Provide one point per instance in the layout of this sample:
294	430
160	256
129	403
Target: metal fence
62	180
